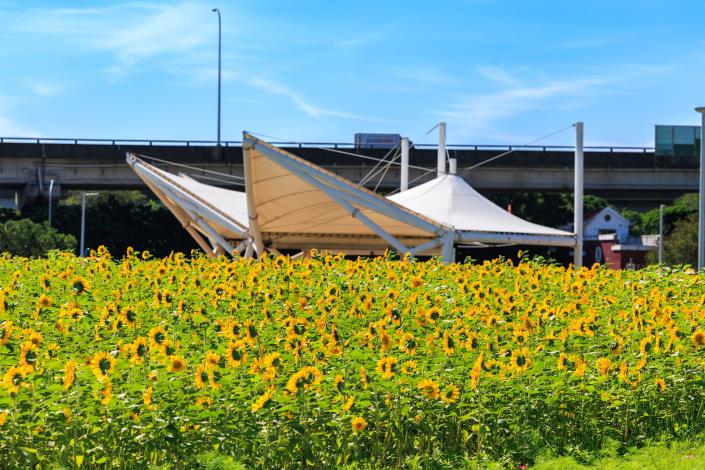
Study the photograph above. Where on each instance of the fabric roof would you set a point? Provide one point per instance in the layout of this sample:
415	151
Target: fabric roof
451	201
292	195
223	210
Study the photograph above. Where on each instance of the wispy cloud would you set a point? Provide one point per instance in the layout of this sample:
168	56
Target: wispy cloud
480	112
361	40
307	107
497	75
131	32
45	89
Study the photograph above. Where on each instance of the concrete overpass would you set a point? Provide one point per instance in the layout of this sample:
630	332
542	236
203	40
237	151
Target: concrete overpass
630	176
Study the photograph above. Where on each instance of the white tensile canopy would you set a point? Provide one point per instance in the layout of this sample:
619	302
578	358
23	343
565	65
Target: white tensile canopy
290	203
451	201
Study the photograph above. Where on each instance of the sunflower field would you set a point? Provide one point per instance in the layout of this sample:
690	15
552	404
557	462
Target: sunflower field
328	362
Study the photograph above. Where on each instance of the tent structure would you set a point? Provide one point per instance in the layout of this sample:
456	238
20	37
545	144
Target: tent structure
290	203
449	200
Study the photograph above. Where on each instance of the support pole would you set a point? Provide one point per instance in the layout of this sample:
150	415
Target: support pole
83	225
404	163
453	166
701	193
441	149
578	197
660	234
51	190
448	249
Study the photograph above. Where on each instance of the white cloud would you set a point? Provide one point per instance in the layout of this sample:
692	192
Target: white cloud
45	89
131	32
483	110
497	75
310	109
480	112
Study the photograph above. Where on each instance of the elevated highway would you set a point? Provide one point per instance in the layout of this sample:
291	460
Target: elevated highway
630	176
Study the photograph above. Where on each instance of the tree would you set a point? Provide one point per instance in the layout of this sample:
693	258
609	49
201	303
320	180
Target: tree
681	246
26	238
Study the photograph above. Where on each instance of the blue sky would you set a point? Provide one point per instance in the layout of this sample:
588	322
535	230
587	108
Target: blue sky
498	71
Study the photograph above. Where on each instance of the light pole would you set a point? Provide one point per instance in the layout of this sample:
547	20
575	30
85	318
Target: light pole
219	62
51	190
701	193
578	196
660	234
82	253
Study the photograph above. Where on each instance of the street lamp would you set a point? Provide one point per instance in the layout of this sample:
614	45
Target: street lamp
51	190
82	253
701	193
219	61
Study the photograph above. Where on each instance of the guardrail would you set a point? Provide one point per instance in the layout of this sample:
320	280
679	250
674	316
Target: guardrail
335	145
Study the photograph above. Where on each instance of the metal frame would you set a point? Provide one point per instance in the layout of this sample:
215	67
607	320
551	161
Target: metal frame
193	214
516	238
346	194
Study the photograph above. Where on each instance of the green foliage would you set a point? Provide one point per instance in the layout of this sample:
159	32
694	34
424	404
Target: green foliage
550	209
326	362
9	214
26	238
667	455
681	246
644	223
118	220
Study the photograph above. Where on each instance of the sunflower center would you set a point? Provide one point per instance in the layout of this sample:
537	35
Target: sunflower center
104	366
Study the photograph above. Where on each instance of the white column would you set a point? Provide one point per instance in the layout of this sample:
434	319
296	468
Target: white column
441	149
578	197
453	166
660	234
448	248
83	226
404	163
701	194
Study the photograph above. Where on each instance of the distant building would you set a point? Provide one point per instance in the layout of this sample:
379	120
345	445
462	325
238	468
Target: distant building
606	240
677	141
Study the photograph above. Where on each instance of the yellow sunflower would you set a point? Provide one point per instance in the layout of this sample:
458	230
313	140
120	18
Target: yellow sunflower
157	336
428	388
235	354
176	364
29	353
358	424
14	378
69	373
201	377
103	363
450	394
387	367
138	350
520	360
262	401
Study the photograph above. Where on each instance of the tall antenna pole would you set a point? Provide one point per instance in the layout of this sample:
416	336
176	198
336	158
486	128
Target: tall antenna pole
578	197
404	164
219	68
441	149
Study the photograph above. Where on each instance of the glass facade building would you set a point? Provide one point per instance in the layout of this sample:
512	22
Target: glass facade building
677	141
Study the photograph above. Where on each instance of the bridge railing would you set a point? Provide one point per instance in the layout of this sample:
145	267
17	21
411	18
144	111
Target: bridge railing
335	145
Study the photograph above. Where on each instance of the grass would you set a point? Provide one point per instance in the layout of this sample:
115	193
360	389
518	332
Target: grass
658	456
661	456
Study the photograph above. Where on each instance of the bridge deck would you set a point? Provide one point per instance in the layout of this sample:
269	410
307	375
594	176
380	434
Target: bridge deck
625	173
